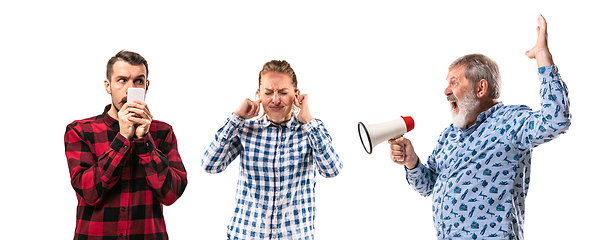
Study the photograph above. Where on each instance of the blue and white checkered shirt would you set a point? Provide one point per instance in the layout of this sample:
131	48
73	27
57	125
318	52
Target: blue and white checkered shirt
479	177
275	192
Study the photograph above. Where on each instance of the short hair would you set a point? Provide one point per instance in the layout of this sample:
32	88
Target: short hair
479	66
127	56
278	67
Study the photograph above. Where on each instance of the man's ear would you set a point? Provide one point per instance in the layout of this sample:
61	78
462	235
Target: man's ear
482	88
107	85
147	84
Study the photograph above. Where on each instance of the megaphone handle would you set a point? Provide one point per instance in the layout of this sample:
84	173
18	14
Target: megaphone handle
403	147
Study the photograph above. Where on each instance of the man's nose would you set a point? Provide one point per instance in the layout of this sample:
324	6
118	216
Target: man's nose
448	91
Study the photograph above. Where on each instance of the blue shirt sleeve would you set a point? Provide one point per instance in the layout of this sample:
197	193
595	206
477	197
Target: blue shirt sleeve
553	118
327	161
225	147
423	177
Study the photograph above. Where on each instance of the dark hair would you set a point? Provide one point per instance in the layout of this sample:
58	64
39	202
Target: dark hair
278	67
479	66
127	56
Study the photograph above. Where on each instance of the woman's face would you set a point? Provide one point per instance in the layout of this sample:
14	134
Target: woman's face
277	96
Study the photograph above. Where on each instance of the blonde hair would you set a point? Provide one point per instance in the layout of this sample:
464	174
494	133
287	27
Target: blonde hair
278	67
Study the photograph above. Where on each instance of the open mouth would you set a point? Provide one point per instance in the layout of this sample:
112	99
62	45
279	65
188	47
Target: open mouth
453	102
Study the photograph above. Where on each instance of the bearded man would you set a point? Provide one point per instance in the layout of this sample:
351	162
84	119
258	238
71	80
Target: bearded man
124	165
479	172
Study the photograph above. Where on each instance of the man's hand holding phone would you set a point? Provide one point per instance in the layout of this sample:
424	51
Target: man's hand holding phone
135	117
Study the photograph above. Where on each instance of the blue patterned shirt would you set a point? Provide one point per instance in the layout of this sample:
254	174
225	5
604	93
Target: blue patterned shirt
275	192
479	177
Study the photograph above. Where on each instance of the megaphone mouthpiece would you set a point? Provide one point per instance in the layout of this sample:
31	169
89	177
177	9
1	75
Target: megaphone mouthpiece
373	134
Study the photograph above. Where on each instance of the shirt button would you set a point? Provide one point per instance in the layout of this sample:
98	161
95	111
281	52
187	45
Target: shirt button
125	147
122	209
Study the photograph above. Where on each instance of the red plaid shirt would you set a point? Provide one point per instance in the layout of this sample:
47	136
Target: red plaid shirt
120	184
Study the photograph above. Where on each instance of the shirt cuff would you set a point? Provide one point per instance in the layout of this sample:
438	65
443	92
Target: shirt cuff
120	144
550	69
235	120
312	125
144	145
415	172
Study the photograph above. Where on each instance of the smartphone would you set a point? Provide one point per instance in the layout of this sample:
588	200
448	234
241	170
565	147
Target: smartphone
135	94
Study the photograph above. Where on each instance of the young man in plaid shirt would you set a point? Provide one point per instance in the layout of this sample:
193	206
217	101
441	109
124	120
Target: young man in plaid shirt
123	164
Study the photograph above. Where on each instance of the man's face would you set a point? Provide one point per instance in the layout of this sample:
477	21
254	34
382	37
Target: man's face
460	93
277	96
124	76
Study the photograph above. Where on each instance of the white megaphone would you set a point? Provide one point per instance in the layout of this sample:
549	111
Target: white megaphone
373	134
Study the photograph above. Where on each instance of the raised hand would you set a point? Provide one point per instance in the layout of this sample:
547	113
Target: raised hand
541	50
248	109
302	102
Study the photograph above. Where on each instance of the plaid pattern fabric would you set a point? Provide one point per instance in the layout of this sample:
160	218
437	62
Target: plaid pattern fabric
479	178
121	184
275	194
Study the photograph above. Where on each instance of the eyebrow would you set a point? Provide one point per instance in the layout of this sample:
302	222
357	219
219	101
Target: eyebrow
125	77
283	89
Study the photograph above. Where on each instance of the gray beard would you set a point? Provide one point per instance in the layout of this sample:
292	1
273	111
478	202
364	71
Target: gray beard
467	106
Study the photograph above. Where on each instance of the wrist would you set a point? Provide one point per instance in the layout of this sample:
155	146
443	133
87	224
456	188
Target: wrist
306	120
126	135
411	166
544	59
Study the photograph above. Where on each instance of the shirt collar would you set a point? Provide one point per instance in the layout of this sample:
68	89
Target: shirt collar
108	120
482	117
291	123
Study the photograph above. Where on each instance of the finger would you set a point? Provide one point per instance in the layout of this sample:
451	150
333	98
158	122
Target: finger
397	158
138	120
541	21
303	98
137	112
297	102
397	155
393	141
147	111
396	147
253	110
147	115
124	108
143	111
254	106
398	141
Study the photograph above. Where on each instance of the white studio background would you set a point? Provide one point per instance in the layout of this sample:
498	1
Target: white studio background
358	61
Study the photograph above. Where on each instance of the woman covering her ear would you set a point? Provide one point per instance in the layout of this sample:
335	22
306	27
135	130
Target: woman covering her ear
280	154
